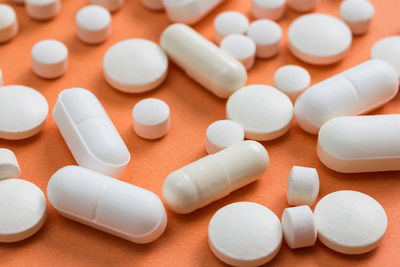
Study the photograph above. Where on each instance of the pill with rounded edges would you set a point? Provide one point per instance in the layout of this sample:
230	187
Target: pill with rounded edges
267	35
215	176
222	134
268	9
8	23
388	50
240	47
303	186
302	6
9	167
89	133
42	9
229	22
355	91
216	70
292	80
93	24
357	14
111	5
154	5
107	204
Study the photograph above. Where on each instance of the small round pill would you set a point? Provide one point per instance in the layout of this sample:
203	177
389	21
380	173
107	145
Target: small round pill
388	50
229	22
42	9
93	24
241	48
151	118
268	9
303	186
111	5
267	35
292	80
357	14
222	134
9	167
154	5
302	6
8	23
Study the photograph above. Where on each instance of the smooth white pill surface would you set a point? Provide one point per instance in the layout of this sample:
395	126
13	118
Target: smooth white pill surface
154	5
303	186
388	50
42	9
319	39
222	134
302	6
22	209
355	91
229	22
89	133
267	35
23	112
9	167
111	5
107	204
8	23
1	78
299	227
357	14
151	118
214	176
241	48
93	24
135	65
245	234
268	9
264	112
292	80
350	222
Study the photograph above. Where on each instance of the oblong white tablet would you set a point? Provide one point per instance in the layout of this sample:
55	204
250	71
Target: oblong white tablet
135	65
23	112
8	23
107	204
241	48
42	9
89	133
153	5
350	222
9	167
229	22
357	14
267	35
222	134
264	112
111	5
245	234
292	80
268	9
388	50
22	209
319	39
93	24
302	6
303	186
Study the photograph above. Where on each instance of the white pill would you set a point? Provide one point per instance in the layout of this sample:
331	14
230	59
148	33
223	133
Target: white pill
8	23
245	234
319	39
93	24
268	9
303	186
107	204
111	5
299	227
292	80
222	134
23	112
355	91
42	9
89	133
241	48
388	50
1	78
216	70
154	5
229	22
151	118
267	35
135	65
214	176
357	14
9	167
49	59
350	222
264	112
302	6
22	209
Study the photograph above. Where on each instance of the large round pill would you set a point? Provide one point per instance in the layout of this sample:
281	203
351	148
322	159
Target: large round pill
8	23
350	222
388	50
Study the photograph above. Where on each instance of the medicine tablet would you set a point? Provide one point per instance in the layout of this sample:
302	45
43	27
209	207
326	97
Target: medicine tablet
107	204
135	65
268	9
49	59
42	9
299	227
303	186
245	234
23	112
222	134
241	48
350	222
357	14
22	209
388	50
151	118
154	5
8	23
267	35
302	6
229	22
111	5
292	80
264	112
319	39
9	167
1	78
93	24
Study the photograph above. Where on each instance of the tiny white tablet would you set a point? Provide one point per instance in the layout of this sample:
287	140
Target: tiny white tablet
229	22
303	186
388	50
8	23
222	134
9	167
267	35
241	48
93	24
42	9
292	80
268	9
357	14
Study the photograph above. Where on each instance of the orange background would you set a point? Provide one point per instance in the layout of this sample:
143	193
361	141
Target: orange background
63	242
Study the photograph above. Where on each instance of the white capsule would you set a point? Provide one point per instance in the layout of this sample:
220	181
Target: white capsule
93	24
267	35
42	9
302	6
303	186
229	22
357	14
9	167
268	9
153	5
292	80
222	134
388	50
8	23
241	48
111	5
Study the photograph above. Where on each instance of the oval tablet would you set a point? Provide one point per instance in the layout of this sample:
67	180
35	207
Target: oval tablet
229	22
222	134
107	204
42	9
267	35
357	14
388	50
8	23
241	48
93	24
268	9
292	80
9	167
111	5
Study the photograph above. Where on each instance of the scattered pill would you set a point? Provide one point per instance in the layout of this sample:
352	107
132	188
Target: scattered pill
216	70
357	14
111	5
107	204
214	176
388	50
302	6
89	133
93	24
292	80
303	186
299	227
319	39
135	66
245	234
229	22
8	23
268	9
1	78
241	48
9	167
267	35
154	5
222	134
151	118
350	222
22	209
264	112
42	9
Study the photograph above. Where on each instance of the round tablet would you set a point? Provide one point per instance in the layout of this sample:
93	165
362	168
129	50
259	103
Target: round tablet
151	118
302	6
135	66
23	112
264	112
268	9
319	39
240	47
154	5
357	14
9	167
22	209
8	23
229	22
292	80
245	234
222	134
388	50
267	35
42	9
111	5
49	59
93	24
303	186
350	222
